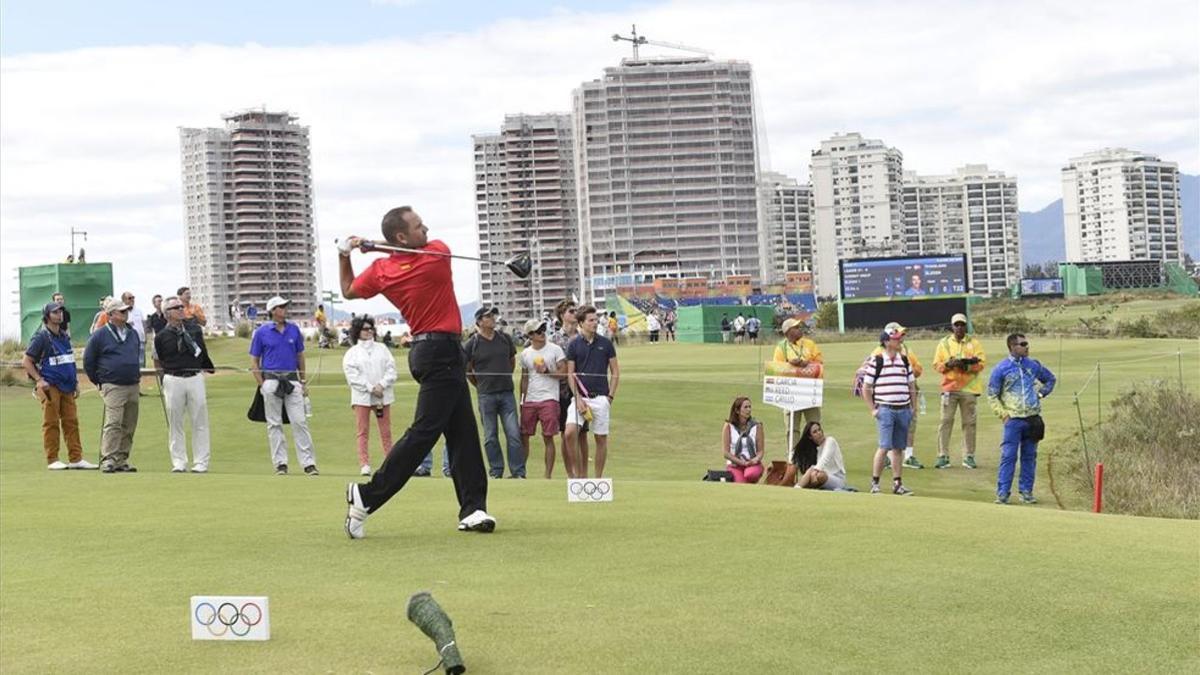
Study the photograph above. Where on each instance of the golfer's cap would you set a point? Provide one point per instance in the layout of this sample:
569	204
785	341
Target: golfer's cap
51	307
790	324
486	310
894	328
958	318
115	305
276	301
534	325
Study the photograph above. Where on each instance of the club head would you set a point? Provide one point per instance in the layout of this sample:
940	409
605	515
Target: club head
520	265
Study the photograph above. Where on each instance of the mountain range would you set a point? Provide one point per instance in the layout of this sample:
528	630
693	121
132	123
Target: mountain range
1042	231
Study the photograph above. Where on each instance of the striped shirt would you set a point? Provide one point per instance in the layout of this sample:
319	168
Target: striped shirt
892	387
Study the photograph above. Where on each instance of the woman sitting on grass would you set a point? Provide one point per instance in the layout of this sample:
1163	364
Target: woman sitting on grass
829	473
743	442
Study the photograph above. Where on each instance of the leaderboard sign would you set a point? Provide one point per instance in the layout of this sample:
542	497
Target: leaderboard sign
914	278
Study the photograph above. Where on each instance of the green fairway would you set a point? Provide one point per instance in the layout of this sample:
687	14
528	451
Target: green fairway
674	576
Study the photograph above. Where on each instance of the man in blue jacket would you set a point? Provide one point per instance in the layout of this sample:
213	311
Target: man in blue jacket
1015	392
112	361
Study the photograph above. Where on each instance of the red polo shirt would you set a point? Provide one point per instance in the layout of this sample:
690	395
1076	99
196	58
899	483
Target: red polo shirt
420	286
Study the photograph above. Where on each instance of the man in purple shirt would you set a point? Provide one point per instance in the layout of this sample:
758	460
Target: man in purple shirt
277	355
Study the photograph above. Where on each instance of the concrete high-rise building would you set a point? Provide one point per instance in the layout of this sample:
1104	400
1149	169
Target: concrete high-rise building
973	210
525	201
1120	204
787	207
856	188
248	209
666	155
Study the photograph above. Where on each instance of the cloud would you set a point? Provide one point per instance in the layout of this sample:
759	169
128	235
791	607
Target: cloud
90	137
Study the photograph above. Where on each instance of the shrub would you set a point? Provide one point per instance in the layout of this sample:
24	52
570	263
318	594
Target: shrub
827	315
1004	325
1138	328
244	329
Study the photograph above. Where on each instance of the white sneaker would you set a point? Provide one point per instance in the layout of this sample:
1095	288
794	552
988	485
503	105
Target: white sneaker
479	521
56	465
356	514
199	468
83	464
365	470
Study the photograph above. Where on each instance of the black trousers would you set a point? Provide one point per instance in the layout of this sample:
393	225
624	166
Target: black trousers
443	409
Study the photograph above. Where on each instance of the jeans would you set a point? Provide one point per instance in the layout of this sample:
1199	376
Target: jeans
1016	441
443	408
427	463
502	405
893	426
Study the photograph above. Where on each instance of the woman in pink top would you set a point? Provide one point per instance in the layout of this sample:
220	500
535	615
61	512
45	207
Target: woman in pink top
743	443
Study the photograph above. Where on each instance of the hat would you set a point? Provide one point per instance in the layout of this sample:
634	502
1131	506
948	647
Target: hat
790	324
486	310
276	301
958	318
115	305
51	307
534	325
893	328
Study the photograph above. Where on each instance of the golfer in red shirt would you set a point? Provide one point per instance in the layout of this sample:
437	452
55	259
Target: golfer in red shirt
421	287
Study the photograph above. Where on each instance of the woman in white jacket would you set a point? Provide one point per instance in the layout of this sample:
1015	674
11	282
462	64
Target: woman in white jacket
370	371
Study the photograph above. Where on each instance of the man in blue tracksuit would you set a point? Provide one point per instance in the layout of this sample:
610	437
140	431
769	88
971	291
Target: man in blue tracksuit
1015	391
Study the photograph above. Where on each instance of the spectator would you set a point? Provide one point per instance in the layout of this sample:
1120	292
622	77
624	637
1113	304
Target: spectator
182	358
277	363
890	391
158	318
101	316
726	328
960	360
543	366
58	298
568	329
613	328
799	351
743	443
50	363
752	326
370	371
112	364
669	326
590	358
491	359
829	473
323	330
252	313
739	328
193	312
1015	392
653	326
137	321
910	458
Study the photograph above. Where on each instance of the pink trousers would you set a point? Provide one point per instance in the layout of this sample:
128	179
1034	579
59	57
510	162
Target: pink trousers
362	418
746	474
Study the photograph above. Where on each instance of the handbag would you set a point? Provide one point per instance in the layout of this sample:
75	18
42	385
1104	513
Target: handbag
258	409
775	474
1037	428
718	476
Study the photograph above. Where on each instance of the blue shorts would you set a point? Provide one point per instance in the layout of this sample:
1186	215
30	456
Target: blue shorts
893	427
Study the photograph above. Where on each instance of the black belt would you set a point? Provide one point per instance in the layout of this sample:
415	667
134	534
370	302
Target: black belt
896	405
184	374
448	337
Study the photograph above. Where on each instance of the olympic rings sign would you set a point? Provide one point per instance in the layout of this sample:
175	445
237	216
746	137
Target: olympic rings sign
230	618
589	490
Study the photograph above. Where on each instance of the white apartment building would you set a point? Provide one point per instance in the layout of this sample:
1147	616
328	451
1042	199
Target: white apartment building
1121	204
974	210
856	190
666	155
787	207
248	214
525	202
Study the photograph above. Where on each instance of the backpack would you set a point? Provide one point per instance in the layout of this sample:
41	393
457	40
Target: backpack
857	389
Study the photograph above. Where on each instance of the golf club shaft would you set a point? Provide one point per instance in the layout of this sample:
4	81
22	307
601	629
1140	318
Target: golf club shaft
379	246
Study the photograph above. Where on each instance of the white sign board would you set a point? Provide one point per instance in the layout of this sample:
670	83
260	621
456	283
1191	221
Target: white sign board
589	490
793	393
230	617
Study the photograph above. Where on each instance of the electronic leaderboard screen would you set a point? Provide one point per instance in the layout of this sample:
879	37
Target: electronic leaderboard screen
915	278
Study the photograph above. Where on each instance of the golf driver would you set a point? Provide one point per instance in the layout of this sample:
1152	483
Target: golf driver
520	264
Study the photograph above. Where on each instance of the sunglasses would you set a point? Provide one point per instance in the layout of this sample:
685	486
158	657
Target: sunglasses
1022	344
173	307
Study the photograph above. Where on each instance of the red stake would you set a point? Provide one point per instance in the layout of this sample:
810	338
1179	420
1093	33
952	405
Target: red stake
1098	501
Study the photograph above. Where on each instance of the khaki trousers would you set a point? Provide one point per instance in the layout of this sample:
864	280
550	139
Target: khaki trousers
120	421
810	415
59	412
953	401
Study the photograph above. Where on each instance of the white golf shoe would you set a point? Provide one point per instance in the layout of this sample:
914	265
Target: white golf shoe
83	464
356	513
56	465
479	521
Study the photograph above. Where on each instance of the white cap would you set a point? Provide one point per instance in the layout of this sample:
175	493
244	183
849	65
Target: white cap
958	318
276	301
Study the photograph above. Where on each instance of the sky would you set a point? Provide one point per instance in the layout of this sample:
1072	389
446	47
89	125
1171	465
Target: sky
92	96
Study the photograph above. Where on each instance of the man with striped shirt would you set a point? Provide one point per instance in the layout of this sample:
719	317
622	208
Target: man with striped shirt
890	390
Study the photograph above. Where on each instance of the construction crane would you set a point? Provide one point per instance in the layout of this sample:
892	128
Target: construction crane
638	40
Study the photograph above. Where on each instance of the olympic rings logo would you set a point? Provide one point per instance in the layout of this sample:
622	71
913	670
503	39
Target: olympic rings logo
589	489
228	618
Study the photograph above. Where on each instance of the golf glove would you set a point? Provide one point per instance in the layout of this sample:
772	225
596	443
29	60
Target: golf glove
344	246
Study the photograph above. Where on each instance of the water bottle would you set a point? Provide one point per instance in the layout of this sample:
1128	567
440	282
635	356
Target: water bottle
921	402
308	407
